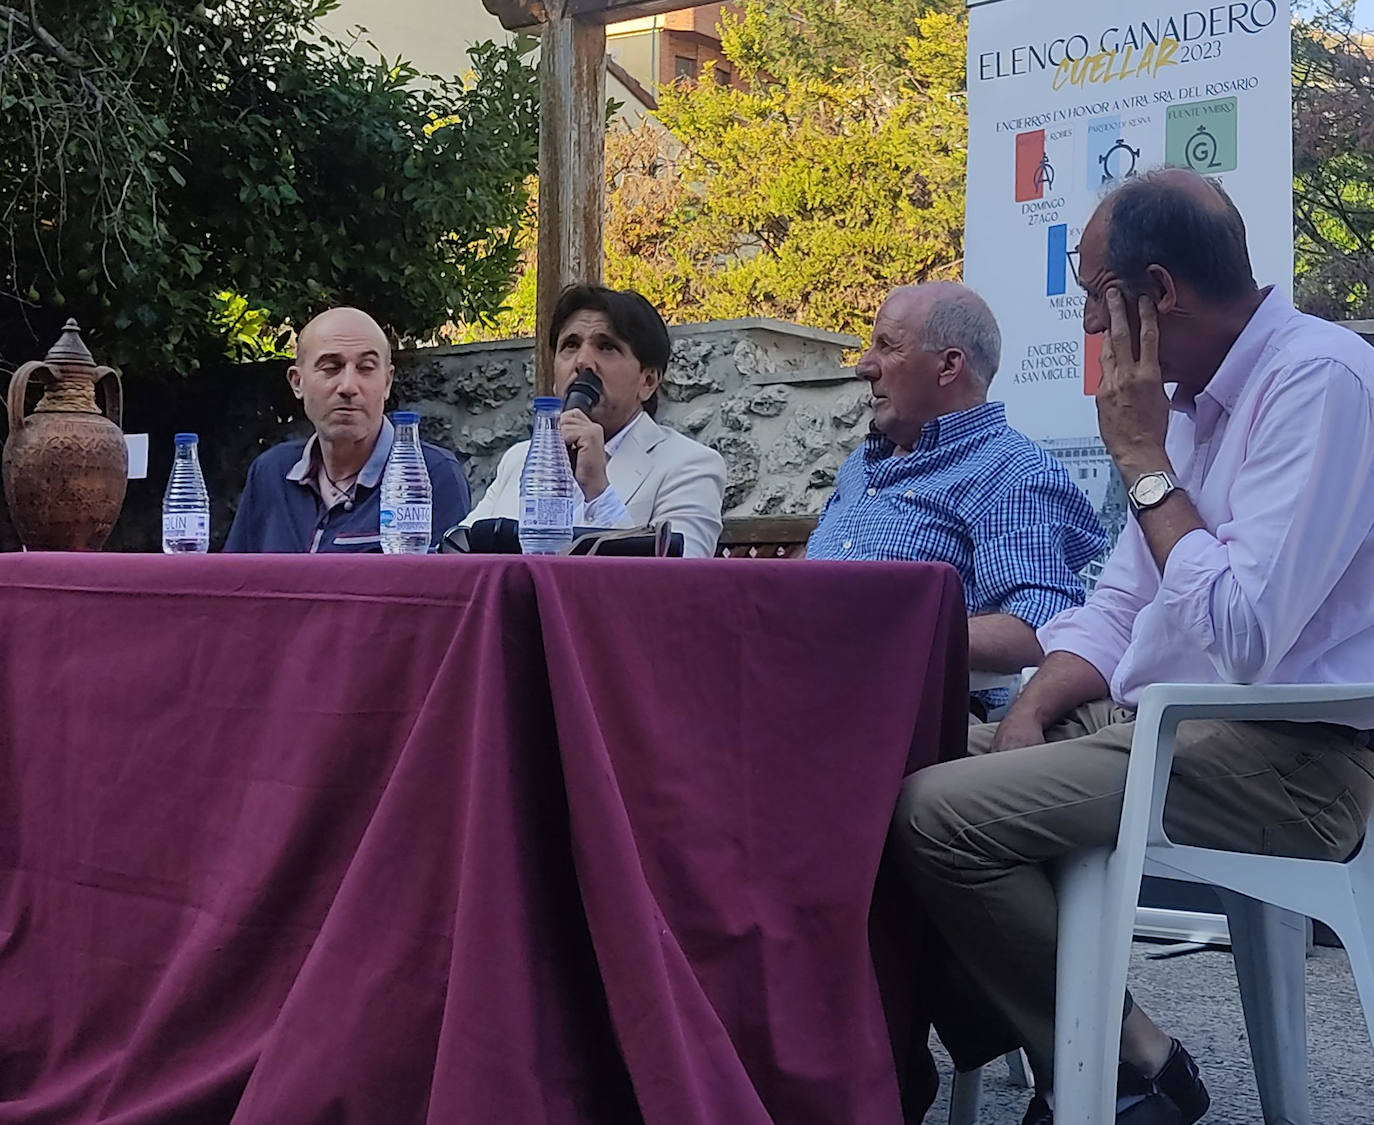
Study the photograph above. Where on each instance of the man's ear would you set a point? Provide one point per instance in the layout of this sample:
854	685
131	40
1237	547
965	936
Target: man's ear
390	379
293	376
1162	288
951	366
652	378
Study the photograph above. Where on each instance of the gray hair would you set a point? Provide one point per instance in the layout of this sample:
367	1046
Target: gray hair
957	317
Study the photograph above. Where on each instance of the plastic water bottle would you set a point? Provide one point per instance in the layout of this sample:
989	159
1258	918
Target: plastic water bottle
548	491
407	515
186	504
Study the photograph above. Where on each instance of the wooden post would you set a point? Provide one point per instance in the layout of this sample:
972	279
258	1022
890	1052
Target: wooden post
572	179
572	141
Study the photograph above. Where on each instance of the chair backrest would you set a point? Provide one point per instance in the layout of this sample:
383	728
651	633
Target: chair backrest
765	537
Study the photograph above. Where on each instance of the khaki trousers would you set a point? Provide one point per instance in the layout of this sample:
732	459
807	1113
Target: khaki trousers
973	834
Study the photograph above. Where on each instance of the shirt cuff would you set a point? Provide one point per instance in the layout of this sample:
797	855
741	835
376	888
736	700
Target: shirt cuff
607	510
1082	632
1185	590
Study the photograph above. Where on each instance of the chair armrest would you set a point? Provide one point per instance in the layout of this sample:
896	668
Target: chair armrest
992	681
1351	705
1164	706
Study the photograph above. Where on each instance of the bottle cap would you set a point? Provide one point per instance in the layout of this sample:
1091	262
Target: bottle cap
405	418
185	439
547	402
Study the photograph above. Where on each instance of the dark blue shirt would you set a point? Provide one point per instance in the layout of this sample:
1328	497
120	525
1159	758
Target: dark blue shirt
281	510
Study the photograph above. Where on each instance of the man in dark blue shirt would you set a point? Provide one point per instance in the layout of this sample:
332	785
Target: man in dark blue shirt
943	478
323	493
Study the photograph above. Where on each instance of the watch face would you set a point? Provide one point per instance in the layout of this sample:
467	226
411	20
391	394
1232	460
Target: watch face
1150	490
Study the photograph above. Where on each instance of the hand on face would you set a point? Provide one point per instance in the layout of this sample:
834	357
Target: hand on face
1132	407
589	441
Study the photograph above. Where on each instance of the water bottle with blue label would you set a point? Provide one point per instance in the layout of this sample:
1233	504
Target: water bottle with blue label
407	513
186	503
548	491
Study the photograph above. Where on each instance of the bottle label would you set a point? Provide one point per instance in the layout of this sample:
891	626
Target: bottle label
551	512
185	525
408	519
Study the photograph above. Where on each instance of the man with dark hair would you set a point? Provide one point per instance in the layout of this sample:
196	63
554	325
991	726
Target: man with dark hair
632	471
943	478
1249	559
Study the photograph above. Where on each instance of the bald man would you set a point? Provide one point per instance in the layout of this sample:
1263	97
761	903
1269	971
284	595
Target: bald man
322	493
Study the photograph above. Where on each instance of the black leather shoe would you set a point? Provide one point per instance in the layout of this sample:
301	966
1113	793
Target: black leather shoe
1181	1083
1175	1096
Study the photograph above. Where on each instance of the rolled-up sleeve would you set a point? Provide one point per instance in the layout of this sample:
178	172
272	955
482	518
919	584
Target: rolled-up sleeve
1300	509
1030	547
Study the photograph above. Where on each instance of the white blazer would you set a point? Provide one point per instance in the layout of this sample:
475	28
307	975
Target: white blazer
658	474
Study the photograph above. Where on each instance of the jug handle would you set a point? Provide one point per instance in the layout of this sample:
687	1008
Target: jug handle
114	394
19	385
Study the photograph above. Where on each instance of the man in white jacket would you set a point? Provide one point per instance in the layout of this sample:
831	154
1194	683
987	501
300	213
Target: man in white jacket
632	471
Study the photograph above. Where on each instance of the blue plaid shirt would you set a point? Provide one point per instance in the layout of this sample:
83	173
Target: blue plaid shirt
978	495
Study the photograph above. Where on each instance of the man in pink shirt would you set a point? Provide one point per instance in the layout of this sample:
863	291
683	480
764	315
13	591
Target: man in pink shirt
1250	559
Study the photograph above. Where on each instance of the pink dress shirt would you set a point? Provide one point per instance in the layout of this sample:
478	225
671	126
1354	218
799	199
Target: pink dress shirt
1277	455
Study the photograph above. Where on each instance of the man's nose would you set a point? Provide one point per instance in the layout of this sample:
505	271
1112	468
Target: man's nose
1094	322
348	382
867	371
586	359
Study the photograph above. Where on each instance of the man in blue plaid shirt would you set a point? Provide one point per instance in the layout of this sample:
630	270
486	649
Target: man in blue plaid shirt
943	478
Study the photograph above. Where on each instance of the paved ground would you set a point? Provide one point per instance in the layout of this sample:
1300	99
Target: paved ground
1195	998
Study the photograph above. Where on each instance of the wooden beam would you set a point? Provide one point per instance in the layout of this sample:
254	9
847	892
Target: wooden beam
572	175
516	15
614	11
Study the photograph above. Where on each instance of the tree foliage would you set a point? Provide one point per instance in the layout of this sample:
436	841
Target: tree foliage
837	173
1333	155
185	177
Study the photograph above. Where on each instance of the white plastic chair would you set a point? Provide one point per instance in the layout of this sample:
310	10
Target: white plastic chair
1267	900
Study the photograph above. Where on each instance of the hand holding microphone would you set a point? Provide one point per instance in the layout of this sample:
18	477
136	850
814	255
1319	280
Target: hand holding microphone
586	439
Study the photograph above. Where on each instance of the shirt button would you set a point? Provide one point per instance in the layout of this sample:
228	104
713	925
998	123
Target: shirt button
873	492
847	544
909	495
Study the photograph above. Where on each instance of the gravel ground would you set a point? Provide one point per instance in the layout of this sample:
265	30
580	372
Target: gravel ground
1195	998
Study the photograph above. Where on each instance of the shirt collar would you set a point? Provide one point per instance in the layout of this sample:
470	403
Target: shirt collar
1225	386
962	424
619	439
370	475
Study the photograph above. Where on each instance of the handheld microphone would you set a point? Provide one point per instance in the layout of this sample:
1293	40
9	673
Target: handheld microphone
583	394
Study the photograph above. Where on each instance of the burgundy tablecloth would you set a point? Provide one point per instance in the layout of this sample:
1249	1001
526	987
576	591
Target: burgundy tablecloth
298	840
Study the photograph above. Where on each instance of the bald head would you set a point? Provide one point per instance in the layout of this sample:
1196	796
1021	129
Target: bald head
1174	219
935	348
346	323
342	375
946	314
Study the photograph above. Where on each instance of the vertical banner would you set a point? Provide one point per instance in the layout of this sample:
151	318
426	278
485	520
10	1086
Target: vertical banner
1068	98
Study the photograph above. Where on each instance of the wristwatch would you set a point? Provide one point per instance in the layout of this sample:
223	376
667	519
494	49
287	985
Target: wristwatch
1151	490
